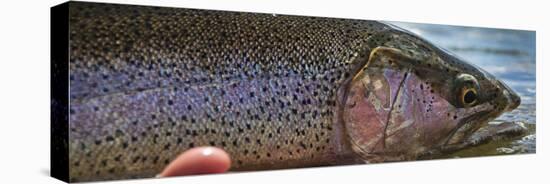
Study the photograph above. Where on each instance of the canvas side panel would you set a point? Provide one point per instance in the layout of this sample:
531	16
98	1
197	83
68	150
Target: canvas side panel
59	101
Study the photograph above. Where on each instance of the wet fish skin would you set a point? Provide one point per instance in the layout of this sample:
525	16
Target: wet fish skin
148	83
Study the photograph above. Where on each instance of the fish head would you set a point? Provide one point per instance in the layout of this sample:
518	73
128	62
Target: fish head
412	98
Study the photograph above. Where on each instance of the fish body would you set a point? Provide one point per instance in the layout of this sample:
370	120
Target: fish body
274	91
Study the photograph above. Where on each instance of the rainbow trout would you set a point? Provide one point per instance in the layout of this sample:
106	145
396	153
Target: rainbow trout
274	91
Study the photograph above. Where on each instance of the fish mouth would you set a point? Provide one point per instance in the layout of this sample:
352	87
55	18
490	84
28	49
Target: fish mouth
456	139
467	126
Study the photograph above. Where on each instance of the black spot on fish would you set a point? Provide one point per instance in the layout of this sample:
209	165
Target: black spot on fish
117	158
155	138
155	159
109	138
119	133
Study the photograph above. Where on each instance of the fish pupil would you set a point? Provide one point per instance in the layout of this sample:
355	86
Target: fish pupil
470	97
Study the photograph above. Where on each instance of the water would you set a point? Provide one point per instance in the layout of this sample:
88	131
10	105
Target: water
507	54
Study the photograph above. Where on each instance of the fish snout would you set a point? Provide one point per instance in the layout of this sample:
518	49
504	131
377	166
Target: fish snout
513	99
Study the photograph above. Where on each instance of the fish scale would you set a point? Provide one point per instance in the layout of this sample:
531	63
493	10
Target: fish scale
148	83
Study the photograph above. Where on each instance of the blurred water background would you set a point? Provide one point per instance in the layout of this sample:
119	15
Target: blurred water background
507	54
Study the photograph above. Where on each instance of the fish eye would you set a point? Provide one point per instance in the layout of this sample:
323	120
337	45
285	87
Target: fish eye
468	89
469	97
